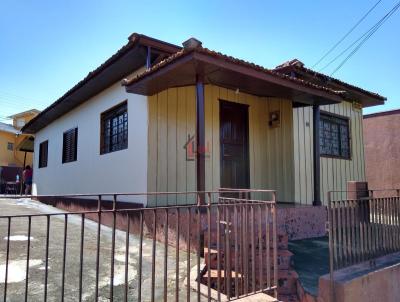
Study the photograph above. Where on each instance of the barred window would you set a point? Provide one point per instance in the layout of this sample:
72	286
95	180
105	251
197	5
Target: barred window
43	154
70	145
334	136
114	129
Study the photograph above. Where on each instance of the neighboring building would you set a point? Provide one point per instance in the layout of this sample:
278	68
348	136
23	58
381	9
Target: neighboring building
12	141
382	149
188	119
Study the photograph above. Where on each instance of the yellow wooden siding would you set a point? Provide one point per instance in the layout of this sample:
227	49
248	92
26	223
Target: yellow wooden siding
335	173
172	120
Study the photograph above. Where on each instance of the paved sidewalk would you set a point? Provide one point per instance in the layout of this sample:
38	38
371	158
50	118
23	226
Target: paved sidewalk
18	249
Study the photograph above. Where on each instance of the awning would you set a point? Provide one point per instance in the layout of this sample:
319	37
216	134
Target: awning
182	68
27	144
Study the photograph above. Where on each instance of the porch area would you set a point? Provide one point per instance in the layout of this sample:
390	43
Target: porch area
216	121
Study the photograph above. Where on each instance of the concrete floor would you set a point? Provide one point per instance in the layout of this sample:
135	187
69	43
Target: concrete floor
311	261
18	249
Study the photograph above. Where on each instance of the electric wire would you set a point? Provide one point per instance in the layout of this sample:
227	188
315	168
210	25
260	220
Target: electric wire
346	35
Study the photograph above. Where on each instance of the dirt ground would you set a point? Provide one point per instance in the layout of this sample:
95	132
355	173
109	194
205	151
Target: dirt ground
18	256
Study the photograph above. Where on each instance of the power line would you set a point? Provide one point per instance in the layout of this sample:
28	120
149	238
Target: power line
350	46
346	35
365	39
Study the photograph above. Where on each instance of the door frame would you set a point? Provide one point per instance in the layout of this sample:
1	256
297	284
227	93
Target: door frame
246	132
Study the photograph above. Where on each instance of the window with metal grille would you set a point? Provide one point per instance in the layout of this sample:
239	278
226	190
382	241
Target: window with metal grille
70	144
114	129
334	136
43	154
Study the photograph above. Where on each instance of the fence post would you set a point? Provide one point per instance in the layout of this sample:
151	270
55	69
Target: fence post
275	242
331	268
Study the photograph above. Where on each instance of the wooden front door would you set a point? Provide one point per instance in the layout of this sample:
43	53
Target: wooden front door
234	142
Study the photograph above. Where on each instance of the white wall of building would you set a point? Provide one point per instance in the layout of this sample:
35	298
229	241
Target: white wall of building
123	171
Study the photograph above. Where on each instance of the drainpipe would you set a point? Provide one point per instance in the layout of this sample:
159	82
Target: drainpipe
316	156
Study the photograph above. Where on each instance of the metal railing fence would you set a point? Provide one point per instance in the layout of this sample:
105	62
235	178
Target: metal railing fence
146	254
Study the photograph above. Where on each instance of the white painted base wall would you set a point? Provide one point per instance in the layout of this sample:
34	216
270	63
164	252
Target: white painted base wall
122	171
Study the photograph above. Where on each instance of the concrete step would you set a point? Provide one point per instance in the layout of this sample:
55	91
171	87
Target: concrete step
288	298
287	282
284	257
282	240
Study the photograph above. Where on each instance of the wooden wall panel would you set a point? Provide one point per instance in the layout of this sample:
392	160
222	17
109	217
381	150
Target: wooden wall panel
335	173
172	118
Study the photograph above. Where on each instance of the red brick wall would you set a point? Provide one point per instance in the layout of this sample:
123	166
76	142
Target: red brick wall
382	150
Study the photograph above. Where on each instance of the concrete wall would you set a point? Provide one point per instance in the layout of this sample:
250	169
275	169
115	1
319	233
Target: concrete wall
382	149
120	171
363	283
335	173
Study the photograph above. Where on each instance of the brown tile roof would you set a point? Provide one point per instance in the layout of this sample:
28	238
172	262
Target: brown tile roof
183	52
133	40
297	65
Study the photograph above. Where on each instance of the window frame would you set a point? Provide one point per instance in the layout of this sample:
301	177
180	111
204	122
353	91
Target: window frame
75	156
348	121
43	162
109	114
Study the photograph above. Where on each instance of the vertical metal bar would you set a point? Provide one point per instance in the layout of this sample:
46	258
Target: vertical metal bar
188	256
353	230
246	248
128	220
98	247
7	258
348	229
253	250
209	247
177	256
333	227
235	215
339	232
140	257
267	245
153	257
198	248
260	249
64	256
274	231
345	241
27	257
114	213
81	256
331	247
165	254
218	253
228	275
46	269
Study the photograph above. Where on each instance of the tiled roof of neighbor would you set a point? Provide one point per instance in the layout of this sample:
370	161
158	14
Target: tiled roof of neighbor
299	66
231	59
30	111
8	128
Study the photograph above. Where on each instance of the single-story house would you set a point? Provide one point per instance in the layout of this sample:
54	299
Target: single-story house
156	117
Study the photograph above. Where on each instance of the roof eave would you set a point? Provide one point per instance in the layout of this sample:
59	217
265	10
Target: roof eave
146	84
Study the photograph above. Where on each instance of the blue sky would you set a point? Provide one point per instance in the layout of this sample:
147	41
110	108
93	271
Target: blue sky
48	46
